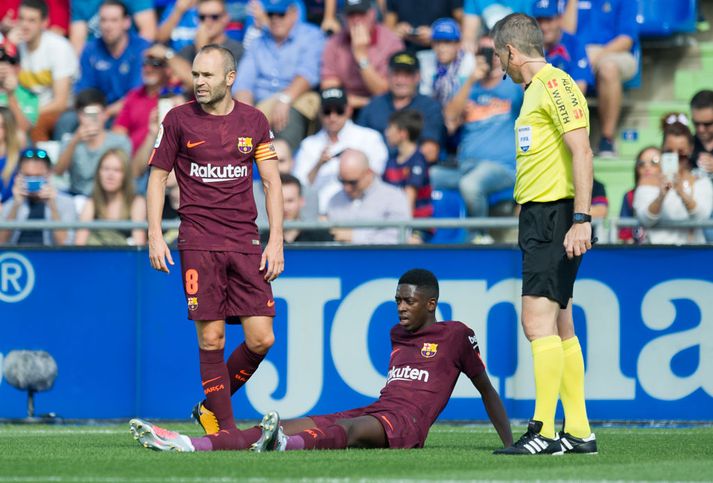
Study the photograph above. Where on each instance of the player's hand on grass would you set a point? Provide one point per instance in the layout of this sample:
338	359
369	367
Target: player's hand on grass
273	260
578	239
159	253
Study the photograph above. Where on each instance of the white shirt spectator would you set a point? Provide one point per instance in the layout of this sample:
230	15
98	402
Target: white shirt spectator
54	58
326	184
673	208
380	201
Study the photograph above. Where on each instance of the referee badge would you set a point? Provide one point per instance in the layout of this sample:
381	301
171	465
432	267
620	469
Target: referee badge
524	138
245	145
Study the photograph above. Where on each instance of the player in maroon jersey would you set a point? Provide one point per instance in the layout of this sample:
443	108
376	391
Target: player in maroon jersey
211	144
426	359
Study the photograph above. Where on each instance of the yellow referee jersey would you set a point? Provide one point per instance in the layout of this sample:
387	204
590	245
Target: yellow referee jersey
553	105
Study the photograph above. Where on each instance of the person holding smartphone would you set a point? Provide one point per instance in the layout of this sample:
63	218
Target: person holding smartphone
34	198
678	193
484	109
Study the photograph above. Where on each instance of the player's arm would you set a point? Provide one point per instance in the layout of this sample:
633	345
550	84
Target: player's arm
578	238
155	196
494	406
272	256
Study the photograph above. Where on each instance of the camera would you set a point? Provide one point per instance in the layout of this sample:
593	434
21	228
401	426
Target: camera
487	53
34	184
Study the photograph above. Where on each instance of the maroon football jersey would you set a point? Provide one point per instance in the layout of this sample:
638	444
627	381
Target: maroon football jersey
213	160
424	368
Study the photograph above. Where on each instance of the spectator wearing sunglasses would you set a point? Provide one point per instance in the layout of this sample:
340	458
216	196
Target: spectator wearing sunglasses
683	195
365	197
702	117
317	161
213	19
21	102
647	167
139	118
112	63
280	69
34	198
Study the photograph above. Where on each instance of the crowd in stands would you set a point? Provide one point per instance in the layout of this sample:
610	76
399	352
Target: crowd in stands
374	105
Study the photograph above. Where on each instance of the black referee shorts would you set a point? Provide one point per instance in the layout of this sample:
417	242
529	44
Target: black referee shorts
546	270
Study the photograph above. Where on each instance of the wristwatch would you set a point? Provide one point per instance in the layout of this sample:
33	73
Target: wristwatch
363	63
284	98
581	218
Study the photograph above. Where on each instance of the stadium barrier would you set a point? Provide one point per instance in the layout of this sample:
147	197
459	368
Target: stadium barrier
123	346
606	228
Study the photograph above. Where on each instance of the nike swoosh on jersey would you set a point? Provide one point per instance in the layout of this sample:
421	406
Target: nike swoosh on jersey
191	144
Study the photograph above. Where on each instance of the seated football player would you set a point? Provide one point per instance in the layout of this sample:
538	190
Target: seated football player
426	359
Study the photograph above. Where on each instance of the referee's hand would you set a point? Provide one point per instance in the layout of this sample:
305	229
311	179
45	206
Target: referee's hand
578	240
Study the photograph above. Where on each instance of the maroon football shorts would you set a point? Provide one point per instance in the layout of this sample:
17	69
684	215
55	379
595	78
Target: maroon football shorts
224	286
401	429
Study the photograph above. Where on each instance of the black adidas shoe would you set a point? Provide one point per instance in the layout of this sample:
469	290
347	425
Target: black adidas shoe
532	442
572	444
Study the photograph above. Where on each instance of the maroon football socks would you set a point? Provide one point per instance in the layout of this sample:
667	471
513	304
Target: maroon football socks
242	363
330	437
216	386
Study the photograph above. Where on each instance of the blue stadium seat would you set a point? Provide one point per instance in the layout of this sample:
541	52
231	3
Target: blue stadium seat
448	204
662	18
499	196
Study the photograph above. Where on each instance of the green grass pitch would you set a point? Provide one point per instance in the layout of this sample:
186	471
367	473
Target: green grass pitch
108	454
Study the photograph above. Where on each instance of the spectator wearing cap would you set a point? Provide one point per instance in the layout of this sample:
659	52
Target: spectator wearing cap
21	102
404	79
48	65
445	68
317	163
562	49
357	59
411	20
35	198
484	109
280	69
112	63
609	32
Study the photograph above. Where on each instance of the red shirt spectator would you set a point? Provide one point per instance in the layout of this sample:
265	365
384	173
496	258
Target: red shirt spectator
357	59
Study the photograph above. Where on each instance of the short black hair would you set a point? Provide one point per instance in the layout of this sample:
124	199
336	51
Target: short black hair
116	3
40	5
702	99
87	97
409	120
423	279
228	57
287	178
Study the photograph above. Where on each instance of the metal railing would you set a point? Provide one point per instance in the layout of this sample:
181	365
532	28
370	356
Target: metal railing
607	228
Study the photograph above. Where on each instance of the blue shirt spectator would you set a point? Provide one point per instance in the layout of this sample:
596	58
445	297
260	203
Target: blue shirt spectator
375	115
489	119
114	76
600	21
184	30
85	19
570	56
269	67
493	10
562	49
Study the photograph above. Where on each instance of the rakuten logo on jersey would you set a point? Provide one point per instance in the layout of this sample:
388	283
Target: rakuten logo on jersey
406	374
217	174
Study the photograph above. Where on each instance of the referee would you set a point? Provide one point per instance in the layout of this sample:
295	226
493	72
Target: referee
553	186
